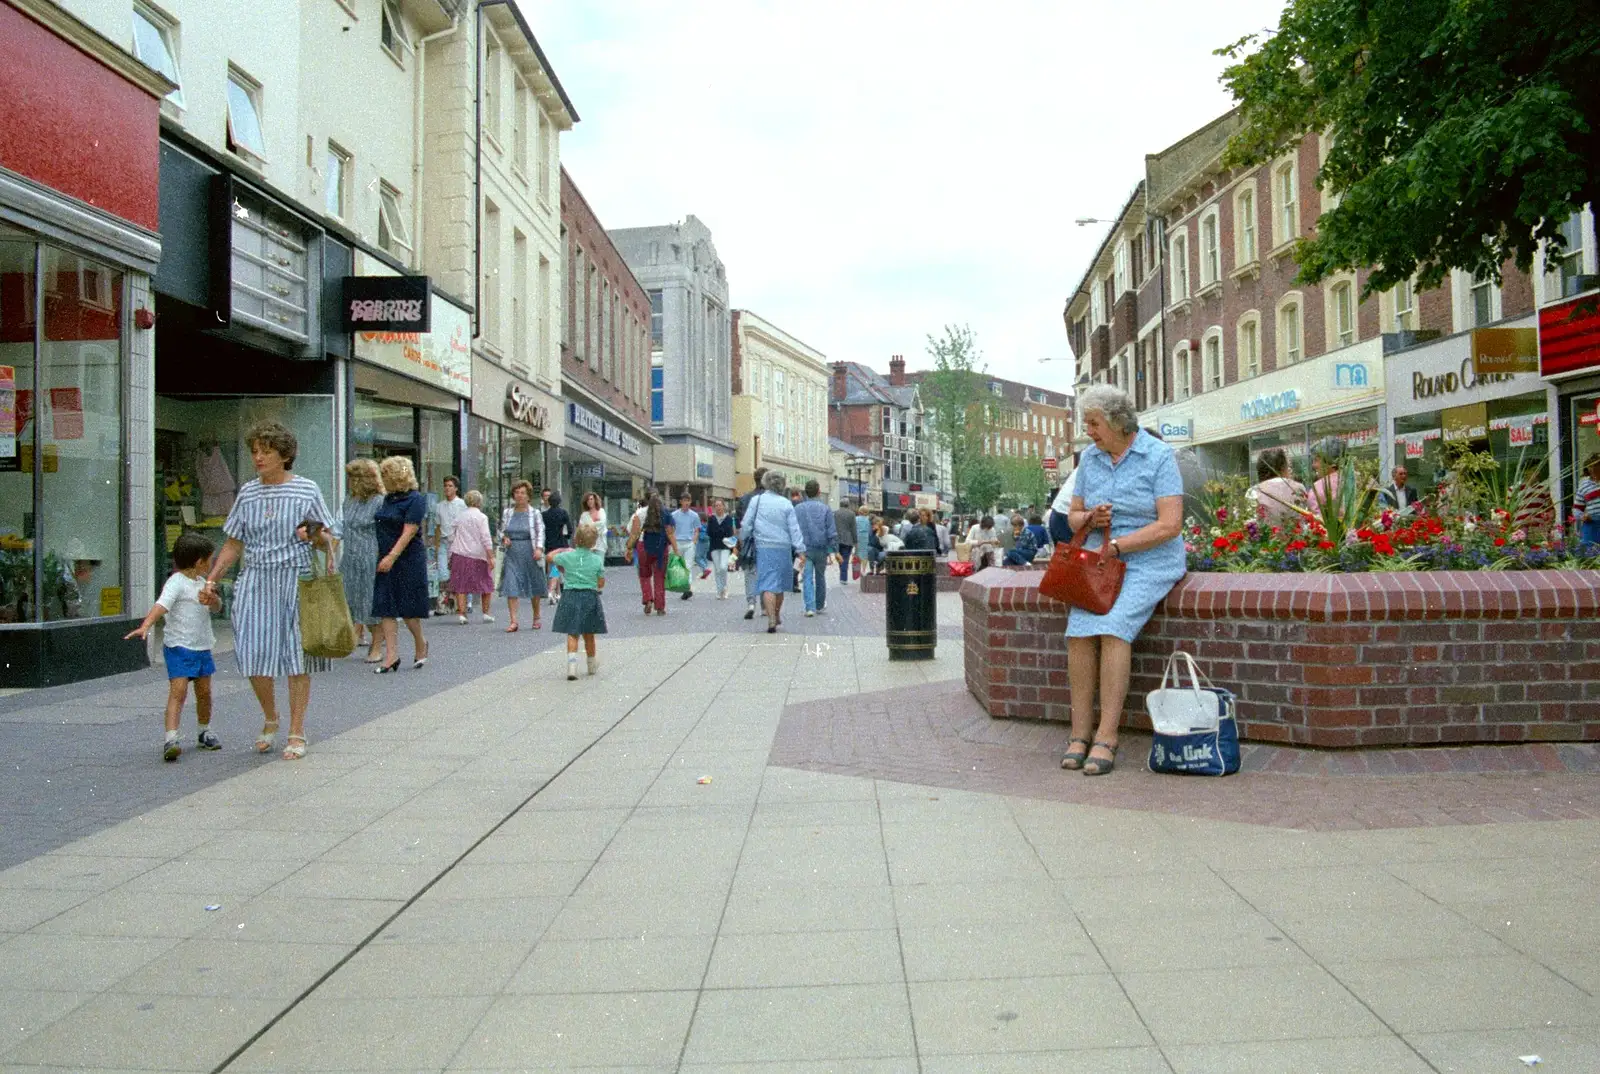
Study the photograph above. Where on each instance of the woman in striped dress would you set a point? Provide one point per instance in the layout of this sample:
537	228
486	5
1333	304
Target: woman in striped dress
274	521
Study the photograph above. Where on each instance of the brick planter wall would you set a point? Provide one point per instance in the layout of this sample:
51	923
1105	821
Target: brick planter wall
1328	660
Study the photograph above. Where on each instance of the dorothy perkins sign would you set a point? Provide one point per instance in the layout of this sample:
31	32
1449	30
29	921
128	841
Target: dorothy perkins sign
385	304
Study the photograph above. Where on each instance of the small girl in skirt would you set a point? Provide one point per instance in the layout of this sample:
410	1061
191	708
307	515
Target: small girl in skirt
580	612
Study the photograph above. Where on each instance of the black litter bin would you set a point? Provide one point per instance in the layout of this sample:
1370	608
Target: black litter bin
913	624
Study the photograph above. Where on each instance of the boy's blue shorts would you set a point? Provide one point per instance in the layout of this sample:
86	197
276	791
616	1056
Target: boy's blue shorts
188	663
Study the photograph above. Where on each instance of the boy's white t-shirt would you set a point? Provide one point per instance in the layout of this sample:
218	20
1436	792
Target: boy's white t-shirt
188	621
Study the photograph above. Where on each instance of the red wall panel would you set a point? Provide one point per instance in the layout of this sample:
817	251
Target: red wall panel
75	125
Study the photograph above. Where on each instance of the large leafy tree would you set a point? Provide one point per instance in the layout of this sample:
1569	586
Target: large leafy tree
1464	132
952	402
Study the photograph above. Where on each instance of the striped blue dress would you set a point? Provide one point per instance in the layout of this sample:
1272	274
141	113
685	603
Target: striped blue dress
266	596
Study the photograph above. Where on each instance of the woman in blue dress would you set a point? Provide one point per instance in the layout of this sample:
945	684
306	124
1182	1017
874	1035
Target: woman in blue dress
1128	480
401	588
522	574
272	524
770	523
358	566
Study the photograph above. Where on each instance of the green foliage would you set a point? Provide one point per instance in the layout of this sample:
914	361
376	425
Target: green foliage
951	394
1022	482
983	487
1464	132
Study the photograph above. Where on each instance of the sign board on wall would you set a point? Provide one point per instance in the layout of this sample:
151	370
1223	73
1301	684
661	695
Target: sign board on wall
441	356
1176	430
1469	422
1505	350
1569	337
386	304
610	432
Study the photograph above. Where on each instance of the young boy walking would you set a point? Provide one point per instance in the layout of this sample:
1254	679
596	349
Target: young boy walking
188	641
580	613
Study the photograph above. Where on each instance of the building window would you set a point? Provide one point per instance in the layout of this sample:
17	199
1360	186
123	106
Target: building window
489	260
491	86
1559	270
1485	301
336	182
1244	215
392	32
1181	372
1250	346
657	320
1180	267
1344	314
546	132
657	391
1405	306
519	125
392	233
244	116
1213	359
155	44
1291	344
1120	271
1097	313
1286	195
1210	249
519	289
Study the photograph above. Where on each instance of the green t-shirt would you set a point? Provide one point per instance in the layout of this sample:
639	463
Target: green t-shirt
581	568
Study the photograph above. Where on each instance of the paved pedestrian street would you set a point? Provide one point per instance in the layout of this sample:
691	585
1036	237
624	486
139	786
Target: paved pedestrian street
735	852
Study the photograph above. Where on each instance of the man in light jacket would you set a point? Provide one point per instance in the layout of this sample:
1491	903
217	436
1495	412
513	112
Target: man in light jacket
821	533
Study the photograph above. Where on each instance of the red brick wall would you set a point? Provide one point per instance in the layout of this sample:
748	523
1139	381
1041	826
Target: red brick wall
628	338
1328	660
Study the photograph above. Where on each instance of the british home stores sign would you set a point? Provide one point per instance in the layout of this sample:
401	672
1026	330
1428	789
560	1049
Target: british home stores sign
595	425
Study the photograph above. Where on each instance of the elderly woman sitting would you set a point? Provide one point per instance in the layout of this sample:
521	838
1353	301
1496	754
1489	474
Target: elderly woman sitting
1127	482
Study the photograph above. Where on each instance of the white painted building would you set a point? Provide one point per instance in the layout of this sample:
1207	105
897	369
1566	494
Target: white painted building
780	405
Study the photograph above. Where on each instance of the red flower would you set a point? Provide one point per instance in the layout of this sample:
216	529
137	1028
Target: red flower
1294	546
1325	545
1499	541
1220	543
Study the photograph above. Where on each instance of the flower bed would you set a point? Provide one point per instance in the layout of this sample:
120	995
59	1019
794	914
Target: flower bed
1323	659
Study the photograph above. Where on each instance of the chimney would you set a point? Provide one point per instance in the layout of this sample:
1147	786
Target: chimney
897	371
840	387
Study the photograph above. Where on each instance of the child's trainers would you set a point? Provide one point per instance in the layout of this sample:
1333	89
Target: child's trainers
170	750
572	667
208	739
594	665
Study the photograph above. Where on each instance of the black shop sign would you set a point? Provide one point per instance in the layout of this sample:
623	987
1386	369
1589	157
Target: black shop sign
385	304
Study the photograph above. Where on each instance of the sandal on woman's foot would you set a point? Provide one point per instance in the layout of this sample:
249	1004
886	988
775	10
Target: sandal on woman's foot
268	737
512	629
538	624
1073	759
295	748
1099	766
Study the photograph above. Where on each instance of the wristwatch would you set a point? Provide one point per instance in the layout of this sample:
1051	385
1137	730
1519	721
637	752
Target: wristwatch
1117	546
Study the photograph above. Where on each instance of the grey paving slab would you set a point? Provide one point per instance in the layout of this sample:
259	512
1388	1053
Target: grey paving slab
683	911
1024	1014
148	1032
1192	941
1181	892
906	1065
1250	1003
23	908
1360	936
772	960
648	963
980	849
426	971
75	872
29	1010
432	919
365	1034
74	963
589	1029
1531	878
992	902
507	880
839	1022
355	880
1348	1055
994	949
1467	1052
276	919
1282	892
764	906
1087	1061
1466	994
233	968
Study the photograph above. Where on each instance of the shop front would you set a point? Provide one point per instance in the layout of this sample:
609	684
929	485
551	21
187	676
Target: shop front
78	243
409	381
607	455
515	434
1338	395
246	332
1569	358
1479	389
703	469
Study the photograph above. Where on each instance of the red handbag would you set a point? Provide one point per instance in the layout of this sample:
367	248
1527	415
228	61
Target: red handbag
960	568
855	568
1084	578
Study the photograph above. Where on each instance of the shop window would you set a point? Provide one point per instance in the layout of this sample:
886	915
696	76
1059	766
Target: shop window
155	44
392	233
392	33
244	117
336	182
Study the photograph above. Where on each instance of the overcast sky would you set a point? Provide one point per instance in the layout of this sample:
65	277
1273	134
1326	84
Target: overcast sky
872	171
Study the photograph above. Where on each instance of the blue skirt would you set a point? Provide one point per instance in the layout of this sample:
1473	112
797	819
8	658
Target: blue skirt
774	568
580	612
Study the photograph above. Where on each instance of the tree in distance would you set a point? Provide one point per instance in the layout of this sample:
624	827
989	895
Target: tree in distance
1463	133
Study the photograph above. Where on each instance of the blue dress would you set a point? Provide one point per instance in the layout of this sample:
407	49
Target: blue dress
1147	472
401	592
